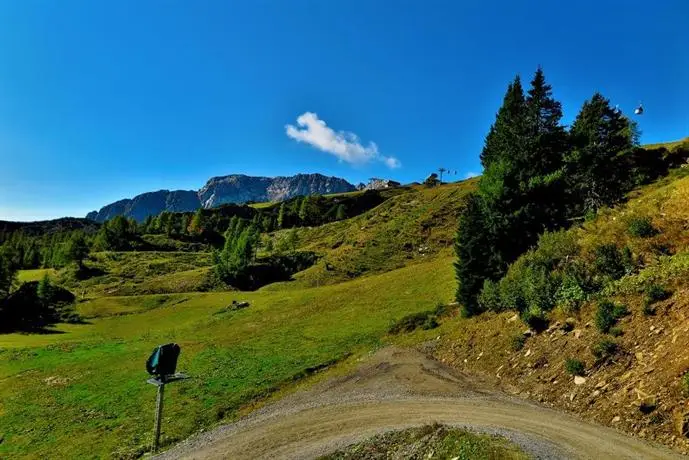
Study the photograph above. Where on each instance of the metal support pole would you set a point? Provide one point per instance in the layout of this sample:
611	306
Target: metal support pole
159	416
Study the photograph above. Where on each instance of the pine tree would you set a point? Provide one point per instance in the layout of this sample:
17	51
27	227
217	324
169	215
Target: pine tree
477	259
197	224
341	213
541	165
505	138
305	210
184	226
44	291
292	239
595	172
281	216
146	227
76	249
132	226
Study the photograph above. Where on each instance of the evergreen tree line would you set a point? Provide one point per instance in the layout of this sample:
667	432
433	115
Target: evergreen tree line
539	176
54	250
300	211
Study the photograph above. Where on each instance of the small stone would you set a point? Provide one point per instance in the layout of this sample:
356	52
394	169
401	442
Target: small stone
528	333
601	384
528	353
596	393
571	397
577	333
616	419
513	318
579	380
652	328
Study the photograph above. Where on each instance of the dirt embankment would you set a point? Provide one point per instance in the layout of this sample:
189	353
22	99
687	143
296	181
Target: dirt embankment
398	389
635	387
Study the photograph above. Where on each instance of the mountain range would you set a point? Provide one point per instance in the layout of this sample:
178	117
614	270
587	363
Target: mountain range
235	188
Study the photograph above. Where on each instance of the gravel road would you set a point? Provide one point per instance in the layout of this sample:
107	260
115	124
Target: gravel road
400	388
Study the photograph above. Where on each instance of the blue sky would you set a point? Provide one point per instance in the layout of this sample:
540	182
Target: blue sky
104	100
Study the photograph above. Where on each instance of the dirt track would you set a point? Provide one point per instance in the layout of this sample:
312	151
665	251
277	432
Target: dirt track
397	389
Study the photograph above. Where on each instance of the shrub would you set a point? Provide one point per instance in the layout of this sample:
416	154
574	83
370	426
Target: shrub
533	280
489	298
628	260
535	318
574	366
518	342
648	309
553	248
620	311
540	288
608	261
616	331
656	293
641	227
604	349
425	320
607	315
570	294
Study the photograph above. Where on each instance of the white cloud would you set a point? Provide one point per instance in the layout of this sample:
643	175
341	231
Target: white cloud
471	174
344	145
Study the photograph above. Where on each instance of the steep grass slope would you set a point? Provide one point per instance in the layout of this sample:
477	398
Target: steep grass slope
410	227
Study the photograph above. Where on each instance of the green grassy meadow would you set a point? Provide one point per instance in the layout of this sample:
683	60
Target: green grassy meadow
81	393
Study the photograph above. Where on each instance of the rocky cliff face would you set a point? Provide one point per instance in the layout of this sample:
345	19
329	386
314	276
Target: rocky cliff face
148	204
236	188
239	188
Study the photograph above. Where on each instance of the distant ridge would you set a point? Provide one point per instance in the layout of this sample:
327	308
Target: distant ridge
235	188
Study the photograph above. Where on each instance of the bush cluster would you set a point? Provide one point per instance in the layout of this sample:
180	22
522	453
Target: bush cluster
604	349
425	320
608	314
574	366
641	227
532	284
654	294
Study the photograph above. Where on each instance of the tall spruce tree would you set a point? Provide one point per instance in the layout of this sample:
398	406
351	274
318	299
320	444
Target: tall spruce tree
474	250
595	170
501	140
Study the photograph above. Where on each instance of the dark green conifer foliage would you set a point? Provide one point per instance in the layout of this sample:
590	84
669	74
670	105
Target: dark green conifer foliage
595	171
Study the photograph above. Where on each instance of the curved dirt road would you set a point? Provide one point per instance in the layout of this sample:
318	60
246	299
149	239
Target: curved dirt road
398	389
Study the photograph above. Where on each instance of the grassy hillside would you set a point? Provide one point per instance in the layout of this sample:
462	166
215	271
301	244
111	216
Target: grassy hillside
82	391
413	226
